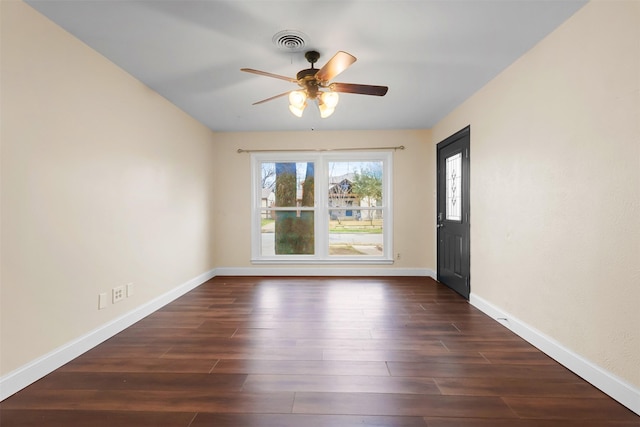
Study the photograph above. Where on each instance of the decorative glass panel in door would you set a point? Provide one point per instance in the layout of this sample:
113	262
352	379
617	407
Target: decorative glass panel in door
454	187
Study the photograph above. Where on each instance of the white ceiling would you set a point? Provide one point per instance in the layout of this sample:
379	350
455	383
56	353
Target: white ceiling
432	54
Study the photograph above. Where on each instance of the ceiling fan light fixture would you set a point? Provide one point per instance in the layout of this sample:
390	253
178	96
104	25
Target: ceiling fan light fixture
325	111
297	110
297	98
330	99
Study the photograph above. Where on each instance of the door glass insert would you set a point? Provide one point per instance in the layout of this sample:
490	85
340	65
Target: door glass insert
454	191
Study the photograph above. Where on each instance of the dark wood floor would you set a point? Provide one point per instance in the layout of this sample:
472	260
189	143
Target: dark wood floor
310	352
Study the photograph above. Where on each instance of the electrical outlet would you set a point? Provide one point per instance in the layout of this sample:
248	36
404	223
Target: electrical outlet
129	290
117	294
102	301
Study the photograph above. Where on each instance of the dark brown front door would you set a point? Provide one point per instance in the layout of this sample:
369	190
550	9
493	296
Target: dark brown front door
453	212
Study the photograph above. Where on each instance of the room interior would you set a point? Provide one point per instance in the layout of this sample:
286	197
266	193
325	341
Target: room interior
106	180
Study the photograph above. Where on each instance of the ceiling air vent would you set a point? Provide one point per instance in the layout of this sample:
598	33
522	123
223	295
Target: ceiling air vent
290	40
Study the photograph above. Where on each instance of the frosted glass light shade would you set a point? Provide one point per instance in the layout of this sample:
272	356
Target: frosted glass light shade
325	111
297	111
330	99
297	98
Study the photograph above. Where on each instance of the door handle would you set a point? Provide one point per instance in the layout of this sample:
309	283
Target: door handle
440	225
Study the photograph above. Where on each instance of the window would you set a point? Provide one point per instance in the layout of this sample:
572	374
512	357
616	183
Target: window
322	207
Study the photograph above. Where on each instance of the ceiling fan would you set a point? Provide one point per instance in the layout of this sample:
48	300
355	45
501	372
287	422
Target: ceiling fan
315	84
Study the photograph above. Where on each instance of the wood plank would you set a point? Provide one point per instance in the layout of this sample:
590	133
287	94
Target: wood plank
182	351
487	346
400	405
341	384
297	420
435	346
400	355
128	351
152	401
84	364
302	332
582	408
528	358
151	381
535	387
74	417
432	333
458	369
302	367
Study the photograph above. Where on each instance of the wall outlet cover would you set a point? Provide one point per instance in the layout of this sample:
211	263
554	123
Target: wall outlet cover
117	294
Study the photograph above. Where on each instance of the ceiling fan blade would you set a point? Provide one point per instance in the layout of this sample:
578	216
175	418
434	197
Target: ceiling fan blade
360	89
272	98
264	73
340	62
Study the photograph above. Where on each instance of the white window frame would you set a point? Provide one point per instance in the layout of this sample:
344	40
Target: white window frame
321	208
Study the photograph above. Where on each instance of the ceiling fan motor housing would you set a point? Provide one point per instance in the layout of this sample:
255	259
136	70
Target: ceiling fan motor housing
307	80
312	56
307	77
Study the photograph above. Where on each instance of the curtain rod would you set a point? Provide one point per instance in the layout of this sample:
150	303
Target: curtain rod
399	147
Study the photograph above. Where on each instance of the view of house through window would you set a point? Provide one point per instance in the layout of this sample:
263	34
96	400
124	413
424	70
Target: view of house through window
321	207
355	222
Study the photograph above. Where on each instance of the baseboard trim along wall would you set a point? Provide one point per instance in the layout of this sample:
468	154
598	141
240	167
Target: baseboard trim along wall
325	271
616	388
38	368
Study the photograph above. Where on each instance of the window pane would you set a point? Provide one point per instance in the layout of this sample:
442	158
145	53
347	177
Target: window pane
355	183
286	232
454	192
287	184
354	232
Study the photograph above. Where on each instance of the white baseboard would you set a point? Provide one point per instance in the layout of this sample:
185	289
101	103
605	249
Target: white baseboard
616	388
31	372
323	271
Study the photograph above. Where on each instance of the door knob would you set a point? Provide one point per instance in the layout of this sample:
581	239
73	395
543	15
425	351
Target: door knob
440	225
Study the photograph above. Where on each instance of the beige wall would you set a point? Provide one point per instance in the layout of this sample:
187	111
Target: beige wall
555	182
103	183
414	208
